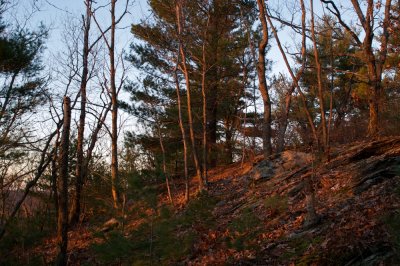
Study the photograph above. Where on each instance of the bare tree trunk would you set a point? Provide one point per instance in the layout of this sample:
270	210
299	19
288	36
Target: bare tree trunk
115	189
190	120
319	78
178	94
114	113
328	150
76	201
243	124
261	71
188	94
62	224
54	173
204	98
164	163
182	128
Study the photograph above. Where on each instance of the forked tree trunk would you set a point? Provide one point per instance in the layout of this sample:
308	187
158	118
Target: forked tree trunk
62	223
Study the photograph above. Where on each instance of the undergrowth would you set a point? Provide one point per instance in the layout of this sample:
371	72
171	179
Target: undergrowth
164	237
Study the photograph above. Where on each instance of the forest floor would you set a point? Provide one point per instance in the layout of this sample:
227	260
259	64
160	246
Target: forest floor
255	213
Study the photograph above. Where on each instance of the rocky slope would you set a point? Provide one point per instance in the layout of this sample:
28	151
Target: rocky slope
356	200
256	214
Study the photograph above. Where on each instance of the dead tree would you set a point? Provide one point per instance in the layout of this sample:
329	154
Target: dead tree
76	203
62	223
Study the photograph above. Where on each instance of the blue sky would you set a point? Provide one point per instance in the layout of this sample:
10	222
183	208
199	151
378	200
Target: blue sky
56	13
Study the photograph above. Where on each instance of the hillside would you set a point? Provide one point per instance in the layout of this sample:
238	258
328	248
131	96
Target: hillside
255	214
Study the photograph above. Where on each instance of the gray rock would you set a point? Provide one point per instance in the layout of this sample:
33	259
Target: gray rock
263	170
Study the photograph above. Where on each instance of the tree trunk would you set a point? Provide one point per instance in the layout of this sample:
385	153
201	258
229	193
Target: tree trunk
164	163
76	202
213	85
280	142
114	114
228	144
212	126
204	99
373	123
62	224
320	85
261	71
188	94
54	173
182	128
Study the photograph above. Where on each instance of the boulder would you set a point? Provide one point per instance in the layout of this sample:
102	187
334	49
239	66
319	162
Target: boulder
263	170
284	162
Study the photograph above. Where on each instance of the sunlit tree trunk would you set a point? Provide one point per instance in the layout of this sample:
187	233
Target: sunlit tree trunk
324	141
261	72
204	98
182	128
189	98
164	162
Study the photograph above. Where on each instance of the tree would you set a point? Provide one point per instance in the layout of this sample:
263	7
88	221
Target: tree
295	79
374	60
76	203
113	91
184	69
62	222
261	72
212	44
23	90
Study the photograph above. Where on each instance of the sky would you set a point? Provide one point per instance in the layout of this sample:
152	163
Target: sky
56	13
